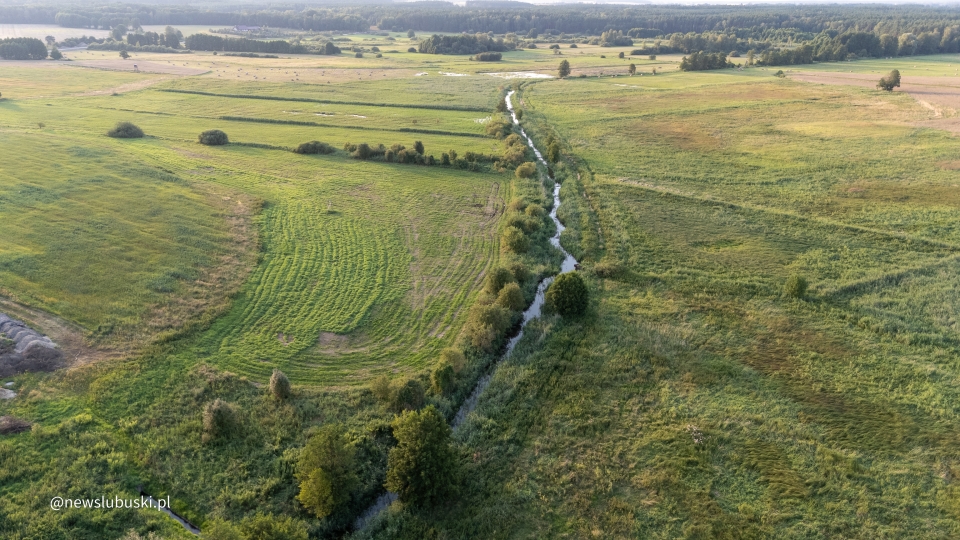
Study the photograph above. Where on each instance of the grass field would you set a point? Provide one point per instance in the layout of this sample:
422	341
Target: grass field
695	401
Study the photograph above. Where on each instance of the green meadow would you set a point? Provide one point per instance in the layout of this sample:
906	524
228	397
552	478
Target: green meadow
693	400
696	399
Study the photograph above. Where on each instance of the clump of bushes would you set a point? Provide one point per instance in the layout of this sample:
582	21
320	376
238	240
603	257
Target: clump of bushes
486	324
795	287
568	294
315	147
280	385
219	421
327	471
526	170
489	57
213	137
400	395
890	81
422	468
125	130
514	240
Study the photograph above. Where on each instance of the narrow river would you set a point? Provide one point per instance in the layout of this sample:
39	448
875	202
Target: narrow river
532	312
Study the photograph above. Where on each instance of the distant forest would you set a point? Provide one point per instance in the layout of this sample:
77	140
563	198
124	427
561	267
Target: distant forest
746	22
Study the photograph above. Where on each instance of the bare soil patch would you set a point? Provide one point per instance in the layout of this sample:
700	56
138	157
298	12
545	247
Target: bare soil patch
939	94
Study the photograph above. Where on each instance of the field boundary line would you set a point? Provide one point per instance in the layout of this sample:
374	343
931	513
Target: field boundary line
464	108
663	190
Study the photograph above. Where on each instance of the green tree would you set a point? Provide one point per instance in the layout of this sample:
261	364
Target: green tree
56	54
411	34
124	54
125	130
485	324
890	81
621	55
443	378
279	385
511	297
455	358
271	527
171	37
118	32
422	468
564	69
497	279
408	396
418	147
514	240
327	471
526	170
568	294
632	69
213	137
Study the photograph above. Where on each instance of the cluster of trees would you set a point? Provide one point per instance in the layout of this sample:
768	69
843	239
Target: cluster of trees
171	37
488	57
206	42
615	38
22	49
787	57
463	44
700	61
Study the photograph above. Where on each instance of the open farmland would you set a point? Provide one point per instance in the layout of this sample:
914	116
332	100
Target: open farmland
697	400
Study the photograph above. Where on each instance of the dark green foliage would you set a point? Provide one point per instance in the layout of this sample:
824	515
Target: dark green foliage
279	385
363	151
803	54
795	287
621	55
488	57
564	69
219	421
497	279
314	147
615	38
55	54
461	44
889	81
412	49
125	130
700	61
632	69
443	378
511	297
422	468
408	396
22	49
358	54
207	42
257	527
213	137
418	147
535	211
445	159
455	358
568	294
327	471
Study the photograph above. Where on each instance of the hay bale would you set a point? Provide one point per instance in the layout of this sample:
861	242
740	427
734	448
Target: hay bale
10	425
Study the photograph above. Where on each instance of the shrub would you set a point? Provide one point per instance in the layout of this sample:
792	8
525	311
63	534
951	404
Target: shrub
445	159
219	420
526	170
279	385
358	55
485	324
455	358
517	204
380	387
213	137
418	147
443	378
564	69
56	54
514	240
511	297
795	287
422	468
520	272
568	294
375	49
326	471
314	147
535	210
412	49
125	130
489	57
652	57
889	81
573	45
779	74
363	151
497	279
408	396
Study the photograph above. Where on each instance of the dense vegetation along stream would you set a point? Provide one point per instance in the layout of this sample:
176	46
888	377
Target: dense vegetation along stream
568	265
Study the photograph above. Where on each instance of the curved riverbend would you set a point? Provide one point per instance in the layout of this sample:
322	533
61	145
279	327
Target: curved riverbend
568	265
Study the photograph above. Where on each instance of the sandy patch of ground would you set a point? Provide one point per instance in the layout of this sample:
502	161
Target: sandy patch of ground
941	95
521	75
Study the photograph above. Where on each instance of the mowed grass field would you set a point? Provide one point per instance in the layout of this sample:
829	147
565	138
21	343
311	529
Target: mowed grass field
695	400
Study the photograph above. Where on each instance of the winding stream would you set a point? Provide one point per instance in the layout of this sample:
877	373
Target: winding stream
568	265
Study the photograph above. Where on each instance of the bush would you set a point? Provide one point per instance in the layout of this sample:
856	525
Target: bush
213	137
573	45
535	210
455	358
125	130
511	297
443	379
568	294
219	421
889	81
422	468
795	287
497	279
514	240
279	385
56	54
326	471
526	170
408	396
489	57
362	151
485	324
418	147
314	147
358	55
380	387
412	49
